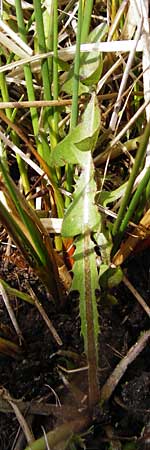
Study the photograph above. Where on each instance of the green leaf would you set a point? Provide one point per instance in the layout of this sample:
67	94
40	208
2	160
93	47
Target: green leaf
130	446
91	65
115	277
92	62
83	138
104	242
111	299
92	70
86	282
67	86
110	277
82	214
107	197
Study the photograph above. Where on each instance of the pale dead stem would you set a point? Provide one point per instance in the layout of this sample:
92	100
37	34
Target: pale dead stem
14	37
60	102
117	18
38	408
8	43
23	155
117	106
102	158
137	16
68	53
23	423
82	421
11	313
52	225
59	434
139	10
121	368
45	317
144	4
136	294
140	232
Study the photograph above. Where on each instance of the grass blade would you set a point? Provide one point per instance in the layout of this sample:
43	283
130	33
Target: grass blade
137	164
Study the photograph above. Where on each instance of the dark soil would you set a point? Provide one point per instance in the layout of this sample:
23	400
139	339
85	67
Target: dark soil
36	373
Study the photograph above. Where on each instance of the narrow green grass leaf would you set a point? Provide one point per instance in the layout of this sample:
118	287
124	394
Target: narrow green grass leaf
46	75
14	292
135	201
74	108
137	165
88	6
26	229
48	272
25	215
19	237
28	76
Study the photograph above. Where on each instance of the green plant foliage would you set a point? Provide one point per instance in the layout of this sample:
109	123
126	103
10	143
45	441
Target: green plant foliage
85	221
138	201
19	237
85	281
75	442
130	446
24	213
23	224
104	242
67	86
74	147
16	293
107	197
92	62
117	227
110	277
80	220
91	65
82	214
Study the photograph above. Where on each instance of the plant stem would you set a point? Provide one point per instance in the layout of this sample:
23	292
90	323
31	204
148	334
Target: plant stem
28	77
138	161
74	110
114	8
44	62
21	164
60	434
67	8
42	146
86	20
133	204
50	39
55	70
